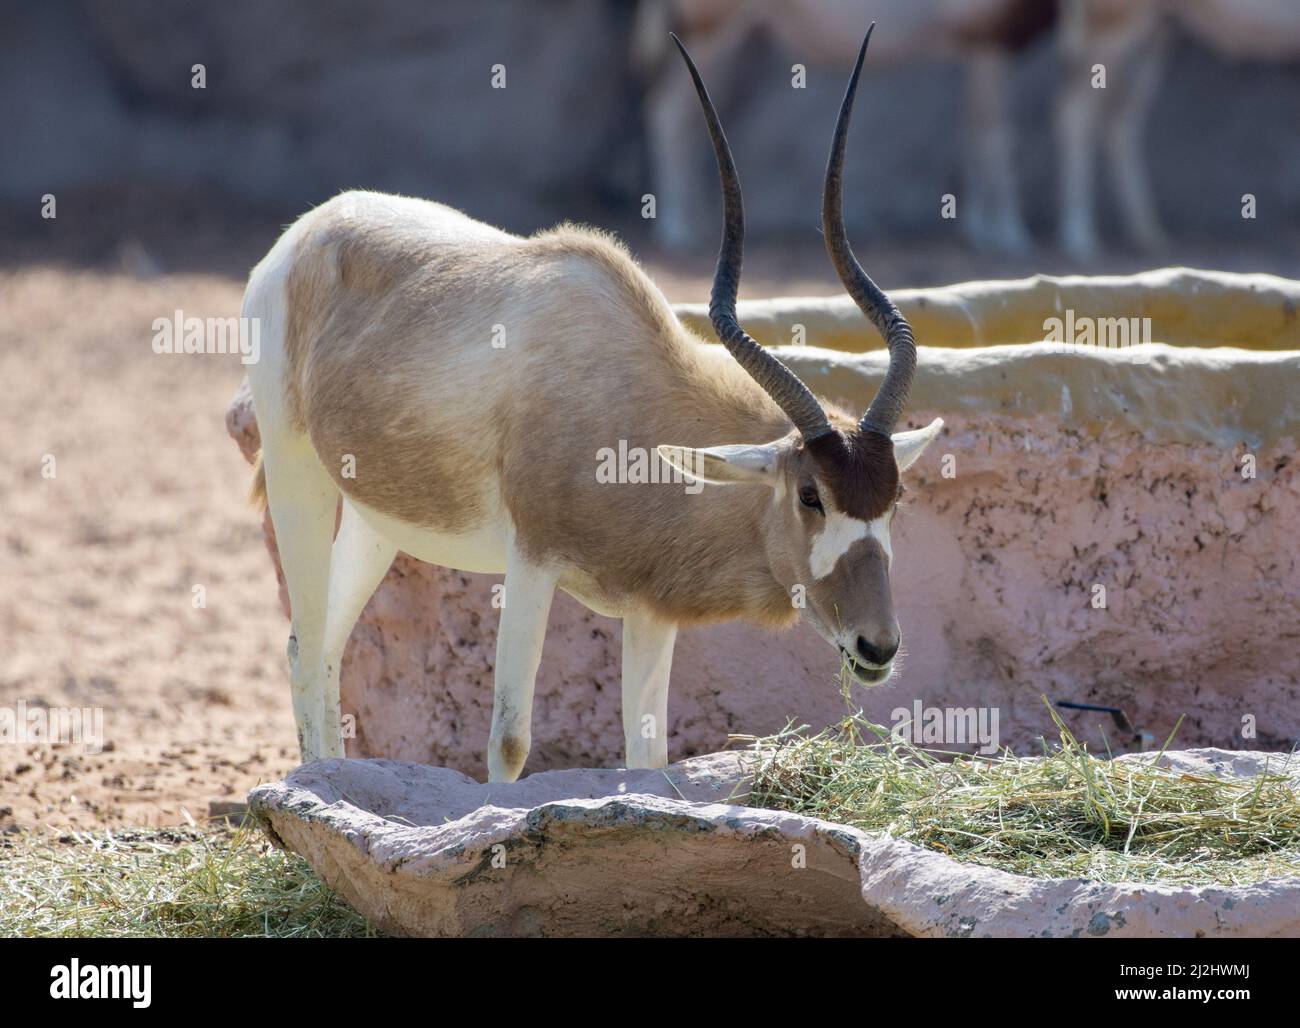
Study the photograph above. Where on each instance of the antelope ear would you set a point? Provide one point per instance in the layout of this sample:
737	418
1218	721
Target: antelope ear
723	465
908	446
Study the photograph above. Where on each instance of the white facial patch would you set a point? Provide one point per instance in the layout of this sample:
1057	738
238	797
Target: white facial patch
840	533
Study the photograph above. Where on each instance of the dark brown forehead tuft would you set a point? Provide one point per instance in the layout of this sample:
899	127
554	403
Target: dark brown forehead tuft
860	469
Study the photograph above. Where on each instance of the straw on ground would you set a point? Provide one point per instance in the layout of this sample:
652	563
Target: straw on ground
173	882
1065	814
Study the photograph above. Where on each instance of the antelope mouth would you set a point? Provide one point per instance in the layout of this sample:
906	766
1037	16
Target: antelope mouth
865	673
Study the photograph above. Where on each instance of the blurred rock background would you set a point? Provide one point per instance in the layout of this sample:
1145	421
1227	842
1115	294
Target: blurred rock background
307	97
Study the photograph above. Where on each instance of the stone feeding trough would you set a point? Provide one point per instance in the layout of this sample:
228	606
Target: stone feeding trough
427	851
1160	477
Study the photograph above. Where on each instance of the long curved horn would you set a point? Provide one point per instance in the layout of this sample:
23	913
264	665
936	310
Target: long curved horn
778	381
887	407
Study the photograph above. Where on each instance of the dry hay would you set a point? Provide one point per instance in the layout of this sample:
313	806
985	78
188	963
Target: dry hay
1066	814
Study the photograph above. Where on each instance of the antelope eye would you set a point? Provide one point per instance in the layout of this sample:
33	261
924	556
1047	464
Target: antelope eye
809	498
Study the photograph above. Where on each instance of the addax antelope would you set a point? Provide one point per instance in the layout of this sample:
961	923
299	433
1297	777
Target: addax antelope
456	384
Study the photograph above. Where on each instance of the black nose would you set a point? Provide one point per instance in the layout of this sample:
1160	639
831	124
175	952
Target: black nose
876	655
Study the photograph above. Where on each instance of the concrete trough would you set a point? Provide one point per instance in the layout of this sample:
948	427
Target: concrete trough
425	851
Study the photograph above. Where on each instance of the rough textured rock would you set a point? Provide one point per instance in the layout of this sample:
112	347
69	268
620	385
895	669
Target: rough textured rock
1071	470
426	851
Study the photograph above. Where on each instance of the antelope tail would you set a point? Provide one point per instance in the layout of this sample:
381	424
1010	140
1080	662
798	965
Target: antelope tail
257	492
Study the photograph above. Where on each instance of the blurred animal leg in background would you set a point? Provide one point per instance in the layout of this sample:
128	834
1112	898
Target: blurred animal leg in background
992	219
683	219
1125	136
1114	38
1077	109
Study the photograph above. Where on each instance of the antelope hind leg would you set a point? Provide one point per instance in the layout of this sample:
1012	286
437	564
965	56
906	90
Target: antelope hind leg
302	499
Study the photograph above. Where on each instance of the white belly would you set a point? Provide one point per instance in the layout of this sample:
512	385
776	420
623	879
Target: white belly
482	550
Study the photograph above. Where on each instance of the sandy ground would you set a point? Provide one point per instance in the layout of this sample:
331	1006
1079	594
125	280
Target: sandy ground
98	564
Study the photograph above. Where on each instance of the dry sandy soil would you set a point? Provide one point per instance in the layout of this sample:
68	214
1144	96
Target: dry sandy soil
98	563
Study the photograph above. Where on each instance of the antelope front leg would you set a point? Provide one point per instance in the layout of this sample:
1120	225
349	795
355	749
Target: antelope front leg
647	660
525	606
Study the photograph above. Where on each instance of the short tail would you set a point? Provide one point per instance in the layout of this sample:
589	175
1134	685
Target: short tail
257	492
